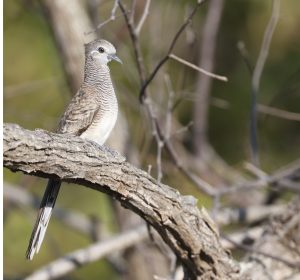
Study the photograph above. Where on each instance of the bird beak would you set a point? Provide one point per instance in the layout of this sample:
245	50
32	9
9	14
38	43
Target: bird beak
114	57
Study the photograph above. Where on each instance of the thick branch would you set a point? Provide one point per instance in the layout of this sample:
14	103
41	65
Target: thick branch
187	230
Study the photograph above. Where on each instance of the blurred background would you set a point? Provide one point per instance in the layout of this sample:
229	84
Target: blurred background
210	118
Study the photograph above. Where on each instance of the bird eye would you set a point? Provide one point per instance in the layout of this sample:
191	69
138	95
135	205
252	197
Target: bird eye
101	50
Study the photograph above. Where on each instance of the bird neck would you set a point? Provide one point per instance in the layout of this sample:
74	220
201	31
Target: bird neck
95	73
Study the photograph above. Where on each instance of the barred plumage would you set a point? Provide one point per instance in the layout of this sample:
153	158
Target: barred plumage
91	114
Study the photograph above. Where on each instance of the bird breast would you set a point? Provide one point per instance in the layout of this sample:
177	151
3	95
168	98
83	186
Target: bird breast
103	122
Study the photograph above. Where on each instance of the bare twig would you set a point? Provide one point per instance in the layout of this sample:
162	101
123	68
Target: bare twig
278	113
258	69
240	237
160	145
245	55
169	106
262	109
111	18
156	128
92	253
256	251
142	73
276	178
133	6
171	47
195	67
143	18
201	184
248	215
255	170
265	45
183	129
136	45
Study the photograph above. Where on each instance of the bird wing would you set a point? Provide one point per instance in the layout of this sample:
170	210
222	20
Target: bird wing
80	113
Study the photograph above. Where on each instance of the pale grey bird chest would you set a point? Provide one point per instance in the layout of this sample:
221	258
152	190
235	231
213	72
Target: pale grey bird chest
104	120
93	111
106	104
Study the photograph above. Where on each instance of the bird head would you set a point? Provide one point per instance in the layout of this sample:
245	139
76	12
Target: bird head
101	51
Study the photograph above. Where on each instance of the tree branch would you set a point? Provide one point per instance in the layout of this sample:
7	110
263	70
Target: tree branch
257	72
199	69
143	18
186	22
92	253
188	230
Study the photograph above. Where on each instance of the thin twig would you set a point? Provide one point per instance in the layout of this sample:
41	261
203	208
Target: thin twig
256	251
172	45
143	18
261	108
278	113
169	106
159	143
245	55
201	184
142	73
135	42
168	128
160	146
156	128
264	51
195	67
255	170
133	6
275	178
248	214
183	129
111	18
241	236
258	69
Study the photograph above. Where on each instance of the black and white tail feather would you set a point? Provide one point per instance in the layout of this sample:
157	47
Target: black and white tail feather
43	218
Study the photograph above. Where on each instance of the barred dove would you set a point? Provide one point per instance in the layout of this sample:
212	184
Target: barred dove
91	114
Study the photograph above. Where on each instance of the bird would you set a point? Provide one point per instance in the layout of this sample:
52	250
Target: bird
91	115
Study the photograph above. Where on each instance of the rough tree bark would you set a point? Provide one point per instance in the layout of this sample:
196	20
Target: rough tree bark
189	231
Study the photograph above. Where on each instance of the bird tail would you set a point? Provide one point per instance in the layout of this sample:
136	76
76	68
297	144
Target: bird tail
43	218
